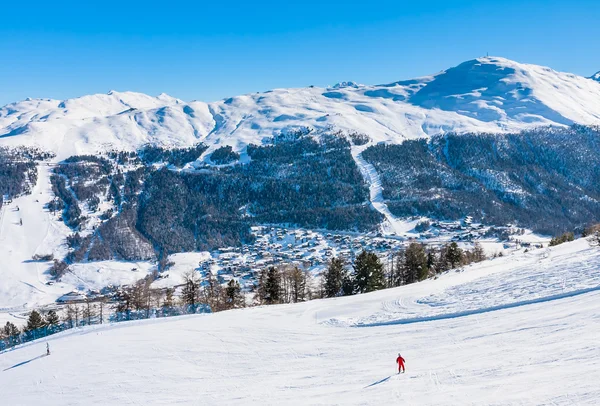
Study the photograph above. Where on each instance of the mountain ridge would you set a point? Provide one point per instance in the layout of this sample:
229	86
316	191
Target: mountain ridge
488	94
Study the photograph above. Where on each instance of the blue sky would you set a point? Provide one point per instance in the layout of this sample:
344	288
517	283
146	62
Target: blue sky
207	51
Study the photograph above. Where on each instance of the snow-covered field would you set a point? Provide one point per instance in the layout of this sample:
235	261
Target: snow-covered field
534	342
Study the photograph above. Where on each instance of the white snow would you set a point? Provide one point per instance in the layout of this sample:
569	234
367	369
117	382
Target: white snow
485	94
392	224
504	332
23	280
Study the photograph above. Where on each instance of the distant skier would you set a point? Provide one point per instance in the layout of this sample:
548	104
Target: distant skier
47	349
400	361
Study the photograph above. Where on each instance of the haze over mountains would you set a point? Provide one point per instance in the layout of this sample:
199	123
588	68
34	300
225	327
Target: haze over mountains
489	94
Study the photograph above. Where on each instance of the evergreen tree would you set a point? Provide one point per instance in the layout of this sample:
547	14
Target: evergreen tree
35	321
565	237
442	263
454	255
273	286
234	296
334	277
368	273
347	285
11	332
416	263
377	278
52	320
10	329
431	262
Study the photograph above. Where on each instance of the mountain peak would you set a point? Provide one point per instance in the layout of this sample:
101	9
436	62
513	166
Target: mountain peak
348	84
485	94
596	76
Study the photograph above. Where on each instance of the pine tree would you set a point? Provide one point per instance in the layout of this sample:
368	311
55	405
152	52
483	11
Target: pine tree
347	285
11	332
377	278
454	254
35	321
52	320
273	286
368	273
334	277
10	329
234	296
416	263
431	262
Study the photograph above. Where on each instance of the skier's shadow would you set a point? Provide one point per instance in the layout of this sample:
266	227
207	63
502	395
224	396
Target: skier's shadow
378	382
25	362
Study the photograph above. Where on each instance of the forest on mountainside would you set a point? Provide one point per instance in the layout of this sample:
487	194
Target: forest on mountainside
547	179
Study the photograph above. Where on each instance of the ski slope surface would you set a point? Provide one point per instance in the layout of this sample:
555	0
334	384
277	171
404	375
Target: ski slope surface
490	94
517	330
26	283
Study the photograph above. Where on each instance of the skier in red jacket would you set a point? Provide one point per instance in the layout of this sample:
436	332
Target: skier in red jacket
400	361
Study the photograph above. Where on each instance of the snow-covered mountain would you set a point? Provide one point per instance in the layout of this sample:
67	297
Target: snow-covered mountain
488	94
350	184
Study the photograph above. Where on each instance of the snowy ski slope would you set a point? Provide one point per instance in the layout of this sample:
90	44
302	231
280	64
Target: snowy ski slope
488	94
534	342
24	282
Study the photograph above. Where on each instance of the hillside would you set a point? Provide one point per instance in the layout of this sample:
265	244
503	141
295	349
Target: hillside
508	331
482	95
497	141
